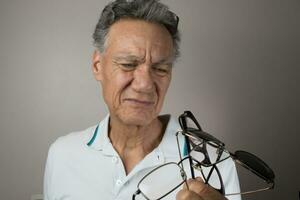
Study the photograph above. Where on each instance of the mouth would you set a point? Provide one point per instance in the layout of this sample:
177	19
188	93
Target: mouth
139	102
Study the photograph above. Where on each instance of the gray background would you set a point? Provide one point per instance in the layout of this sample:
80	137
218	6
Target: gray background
239	74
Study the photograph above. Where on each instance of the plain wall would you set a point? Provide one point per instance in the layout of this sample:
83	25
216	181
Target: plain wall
238	73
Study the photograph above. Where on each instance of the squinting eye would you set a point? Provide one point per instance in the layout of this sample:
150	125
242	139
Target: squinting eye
128	66
161	71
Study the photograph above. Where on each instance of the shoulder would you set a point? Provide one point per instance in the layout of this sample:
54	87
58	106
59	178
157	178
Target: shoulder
72	142
168	144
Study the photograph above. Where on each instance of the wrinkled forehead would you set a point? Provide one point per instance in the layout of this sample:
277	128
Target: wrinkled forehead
140	38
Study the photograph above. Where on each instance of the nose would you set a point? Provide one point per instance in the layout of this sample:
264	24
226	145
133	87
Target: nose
143	79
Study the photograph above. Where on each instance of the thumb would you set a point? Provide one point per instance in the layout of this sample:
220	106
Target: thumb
186	194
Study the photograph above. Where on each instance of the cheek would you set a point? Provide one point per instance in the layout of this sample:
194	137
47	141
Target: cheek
165	85
163	88
114	87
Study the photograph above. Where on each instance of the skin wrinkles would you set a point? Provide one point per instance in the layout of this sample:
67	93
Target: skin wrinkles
141	83
135	72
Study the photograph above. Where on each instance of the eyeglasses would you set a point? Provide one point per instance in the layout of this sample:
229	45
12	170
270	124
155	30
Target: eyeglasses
153	187
200	145
208	151
204	153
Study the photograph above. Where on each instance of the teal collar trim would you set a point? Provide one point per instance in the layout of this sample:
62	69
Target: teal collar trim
94	136
185	150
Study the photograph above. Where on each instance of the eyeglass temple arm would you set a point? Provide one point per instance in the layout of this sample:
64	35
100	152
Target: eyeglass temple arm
188	147
214	167
136	193
271	186
182	122
189	114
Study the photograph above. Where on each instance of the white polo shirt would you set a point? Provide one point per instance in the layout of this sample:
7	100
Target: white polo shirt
85	166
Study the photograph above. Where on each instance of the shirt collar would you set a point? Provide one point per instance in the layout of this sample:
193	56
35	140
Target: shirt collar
167	148
99	137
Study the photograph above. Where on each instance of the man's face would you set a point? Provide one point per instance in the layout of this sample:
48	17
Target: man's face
135	70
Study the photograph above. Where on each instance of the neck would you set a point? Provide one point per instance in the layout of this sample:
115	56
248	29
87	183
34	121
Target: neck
133	143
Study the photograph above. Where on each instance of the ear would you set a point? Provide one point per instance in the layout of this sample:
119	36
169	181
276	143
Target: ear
97	65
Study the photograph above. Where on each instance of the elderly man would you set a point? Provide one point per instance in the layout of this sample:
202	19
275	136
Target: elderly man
137	44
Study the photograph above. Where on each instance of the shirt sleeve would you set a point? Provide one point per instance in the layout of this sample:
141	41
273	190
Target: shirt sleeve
48	187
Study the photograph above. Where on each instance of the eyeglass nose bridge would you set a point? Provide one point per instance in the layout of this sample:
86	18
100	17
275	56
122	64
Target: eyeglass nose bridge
259	168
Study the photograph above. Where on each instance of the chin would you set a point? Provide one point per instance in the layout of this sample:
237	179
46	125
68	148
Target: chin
137	118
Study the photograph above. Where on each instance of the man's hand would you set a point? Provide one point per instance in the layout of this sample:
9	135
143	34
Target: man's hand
198	190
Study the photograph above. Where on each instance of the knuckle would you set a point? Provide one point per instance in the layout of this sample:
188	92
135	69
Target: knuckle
198	187
182	194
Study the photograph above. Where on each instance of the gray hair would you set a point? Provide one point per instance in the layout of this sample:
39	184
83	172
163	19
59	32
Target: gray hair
148	10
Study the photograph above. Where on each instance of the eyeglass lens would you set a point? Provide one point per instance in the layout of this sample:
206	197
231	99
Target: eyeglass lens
206	153
162	181
255	164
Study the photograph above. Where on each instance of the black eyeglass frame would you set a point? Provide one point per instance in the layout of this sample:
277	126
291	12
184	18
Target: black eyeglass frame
182	172
268	175
262	169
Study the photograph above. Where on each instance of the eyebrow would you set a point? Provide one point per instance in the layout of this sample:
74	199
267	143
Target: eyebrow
133	58
163	61
128	58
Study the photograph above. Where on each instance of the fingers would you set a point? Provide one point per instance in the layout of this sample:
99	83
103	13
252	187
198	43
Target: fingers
197	185
186	194
206	192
